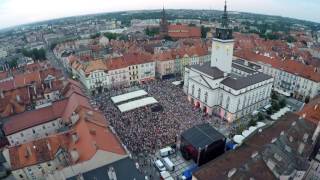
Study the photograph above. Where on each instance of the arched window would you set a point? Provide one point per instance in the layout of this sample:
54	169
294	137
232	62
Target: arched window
192	90
206	97
199	93
221	100
228	102
244	102
238	104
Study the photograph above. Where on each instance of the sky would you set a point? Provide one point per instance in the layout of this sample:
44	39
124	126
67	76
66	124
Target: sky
15	12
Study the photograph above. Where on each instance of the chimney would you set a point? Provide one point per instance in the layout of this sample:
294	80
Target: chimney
50	84
18	98
74	155
34	89
75	138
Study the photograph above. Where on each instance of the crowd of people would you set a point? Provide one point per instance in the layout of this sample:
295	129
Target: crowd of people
143	130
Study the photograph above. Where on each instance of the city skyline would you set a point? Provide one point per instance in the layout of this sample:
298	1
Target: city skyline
17	12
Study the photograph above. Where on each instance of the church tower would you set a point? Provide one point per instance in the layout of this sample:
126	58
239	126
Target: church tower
222	45
163	25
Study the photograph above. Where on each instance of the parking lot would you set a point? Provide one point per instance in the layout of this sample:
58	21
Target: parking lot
179	162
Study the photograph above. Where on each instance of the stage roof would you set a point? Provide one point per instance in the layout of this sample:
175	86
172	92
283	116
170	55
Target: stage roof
136	104
128	96
201	135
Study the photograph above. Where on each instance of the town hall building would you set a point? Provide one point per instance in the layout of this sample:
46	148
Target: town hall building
226	87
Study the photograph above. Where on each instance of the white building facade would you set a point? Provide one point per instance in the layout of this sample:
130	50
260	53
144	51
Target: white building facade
223	88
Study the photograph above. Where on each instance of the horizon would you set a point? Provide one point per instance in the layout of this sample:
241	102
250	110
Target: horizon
12	15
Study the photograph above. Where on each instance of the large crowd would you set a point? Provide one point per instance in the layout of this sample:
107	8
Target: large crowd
143	130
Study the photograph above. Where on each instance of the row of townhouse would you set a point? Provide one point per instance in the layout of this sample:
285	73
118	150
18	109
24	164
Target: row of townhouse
131	68
65	140
290	77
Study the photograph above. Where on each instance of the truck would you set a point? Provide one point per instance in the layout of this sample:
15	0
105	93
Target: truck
187	174
166	151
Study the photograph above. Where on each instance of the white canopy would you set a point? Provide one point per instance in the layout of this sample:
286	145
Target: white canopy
128	96
260	124
238	139
245	133
176	83
136	104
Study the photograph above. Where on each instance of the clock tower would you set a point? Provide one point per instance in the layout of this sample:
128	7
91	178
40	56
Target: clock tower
222	45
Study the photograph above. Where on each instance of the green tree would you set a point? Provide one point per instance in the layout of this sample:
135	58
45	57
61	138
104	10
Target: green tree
274	95
93	36
110	35
252	122
260	116
275	106
151	31
13	63
282	103
204	31
307	99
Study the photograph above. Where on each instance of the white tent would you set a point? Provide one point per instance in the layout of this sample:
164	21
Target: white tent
238	139
128	96
260	124
245	133
136	104
176	83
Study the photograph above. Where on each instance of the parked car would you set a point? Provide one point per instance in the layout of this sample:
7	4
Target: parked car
159	165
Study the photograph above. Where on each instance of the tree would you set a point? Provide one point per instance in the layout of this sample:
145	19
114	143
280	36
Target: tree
93	36
252	122
282	103
152	31
260	116
275	106
274	95
110	35
204	31
307	99
13	63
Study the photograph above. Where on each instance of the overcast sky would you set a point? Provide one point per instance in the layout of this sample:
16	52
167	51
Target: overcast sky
14	12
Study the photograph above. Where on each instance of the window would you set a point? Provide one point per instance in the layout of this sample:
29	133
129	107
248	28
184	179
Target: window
21	176
221	99
192	89
43	127
228	102
199	93
49	164
206	97
21	134
53	124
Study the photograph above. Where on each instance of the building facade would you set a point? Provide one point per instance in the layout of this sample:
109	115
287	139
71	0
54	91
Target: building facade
223	88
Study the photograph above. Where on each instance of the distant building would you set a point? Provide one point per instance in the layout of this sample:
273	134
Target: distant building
180	31
163	25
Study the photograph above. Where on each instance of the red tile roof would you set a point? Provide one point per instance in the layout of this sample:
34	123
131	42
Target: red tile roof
93	135
59	109
311	111
290	66
183	31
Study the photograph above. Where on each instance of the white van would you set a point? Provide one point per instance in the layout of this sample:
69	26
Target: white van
168	163
159	165
166	151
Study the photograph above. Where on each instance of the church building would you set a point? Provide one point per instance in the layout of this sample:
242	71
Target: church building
226	87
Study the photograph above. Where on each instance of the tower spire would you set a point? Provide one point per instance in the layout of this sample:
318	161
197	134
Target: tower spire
225	16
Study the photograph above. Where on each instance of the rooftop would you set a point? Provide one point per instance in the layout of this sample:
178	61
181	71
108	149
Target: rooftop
256	158
243	82
213	72
201	135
